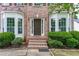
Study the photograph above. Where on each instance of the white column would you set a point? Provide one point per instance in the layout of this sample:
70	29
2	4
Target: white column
49	24
57	23
5	22
2	22
67	23
16	26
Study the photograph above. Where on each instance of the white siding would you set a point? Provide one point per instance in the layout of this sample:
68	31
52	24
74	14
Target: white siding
76	26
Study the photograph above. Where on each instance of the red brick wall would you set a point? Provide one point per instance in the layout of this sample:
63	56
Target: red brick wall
29	11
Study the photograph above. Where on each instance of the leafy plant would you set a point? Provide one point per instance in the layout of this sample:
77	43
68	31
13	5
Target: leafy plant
71	43
17	41
6	38
55	43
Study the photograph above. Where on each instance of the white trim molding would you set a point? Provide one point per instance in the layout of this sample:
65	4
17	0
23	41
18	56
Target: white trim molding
15	15
56	16
32	26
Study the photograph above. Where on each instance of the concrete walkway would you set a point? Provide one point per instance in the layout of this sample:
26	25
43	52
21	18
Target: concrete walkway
36	52
23	51
13	51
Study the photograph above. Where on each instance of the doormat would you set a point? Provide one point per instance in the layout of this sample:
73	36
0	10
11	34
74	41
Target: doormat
43	50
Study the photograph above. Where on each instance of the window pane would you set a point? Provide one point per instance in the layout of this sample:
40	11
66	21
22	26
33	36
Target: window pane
52	25
44	4
19	26
30	4
62	24
19	4
37	4
10	25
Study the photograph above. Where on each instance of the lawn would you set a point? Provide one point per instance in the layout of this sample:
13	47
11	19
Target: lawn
65	52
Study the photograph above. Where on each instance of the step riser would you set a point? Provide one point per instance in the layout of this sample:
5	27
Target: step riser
37	43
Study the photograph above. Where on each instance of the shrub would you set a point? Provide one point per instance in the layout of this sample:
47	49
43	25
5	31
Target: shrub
55	43
71	43
75	34
61	36
6	38
17	41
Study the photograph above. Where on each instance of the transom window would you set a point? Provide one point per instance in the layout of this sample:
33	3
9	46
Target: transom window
10	24
62	24
20	4
37	4
30	4
19	26
52	25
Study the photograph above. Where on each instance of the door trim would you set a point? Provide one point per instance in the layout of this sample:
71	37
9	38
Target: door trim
32	26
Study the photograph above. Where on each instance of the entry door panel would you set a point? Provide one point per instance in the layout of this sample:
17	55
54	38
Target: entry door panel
37	26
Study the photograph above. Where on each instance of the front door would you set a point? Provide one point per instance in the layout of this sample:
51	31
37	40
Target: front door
37	26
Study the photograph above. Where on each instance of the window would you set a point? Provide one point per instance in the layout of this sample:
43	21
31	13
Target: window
20	4
41	26
19	26
25	3
5	4
38	4
44	4
62	24
10	25
52	25
30	4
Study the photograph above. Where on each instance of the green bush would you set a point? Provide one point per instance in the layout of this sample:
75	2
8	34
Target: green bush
55	43
17	41
6	38
61	36
75	34
71	43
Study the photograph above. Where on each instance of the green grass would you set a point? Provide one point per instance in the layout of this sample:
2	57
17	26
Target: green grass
65	52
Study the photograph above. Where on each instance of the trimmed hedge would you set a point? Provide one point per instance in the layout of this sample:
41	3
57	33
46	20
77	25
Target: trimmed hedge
75	34
71	43
64	39
61	36
55	43
6	38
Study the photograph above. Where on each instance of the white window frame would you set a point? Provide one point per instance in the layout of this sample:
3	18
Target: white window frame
14	15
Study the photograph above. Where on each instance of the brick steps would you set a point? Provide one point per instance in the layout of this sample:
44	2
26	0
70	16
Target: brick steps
42	41
33	46
37	43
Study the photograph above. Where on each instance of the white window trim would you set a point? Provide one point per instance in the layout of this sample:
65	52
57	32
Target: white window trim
68	23
4	20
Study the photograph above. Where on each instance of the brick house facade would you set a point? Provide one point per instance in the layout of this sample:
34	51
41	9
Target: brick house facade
32	22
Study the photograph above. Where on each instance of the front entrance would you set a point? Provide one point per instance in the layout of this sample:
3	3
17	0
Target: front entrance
37	26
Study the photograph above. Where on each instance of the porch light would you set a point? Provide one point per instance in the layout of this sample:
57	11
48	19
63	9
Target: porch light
37	15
